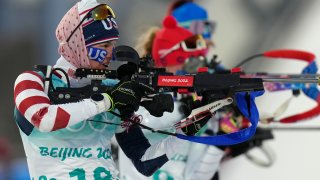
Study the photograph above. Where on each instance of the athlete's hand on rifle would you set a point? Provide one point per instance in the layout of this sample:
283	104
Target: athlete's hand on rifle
159	104
127	99
127	96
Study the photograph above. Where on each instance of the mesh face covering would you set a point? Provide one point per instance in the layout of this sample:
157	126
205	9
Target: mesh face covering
75	51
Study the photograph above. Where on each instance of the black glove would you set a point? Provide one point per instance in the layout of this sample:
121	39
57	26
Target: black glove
187	105
125	71
127	96
159	104
195	127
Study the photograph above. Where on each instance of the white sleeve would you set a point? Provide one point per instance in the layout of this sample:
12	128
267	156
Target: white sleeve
168	146
203	162
163	122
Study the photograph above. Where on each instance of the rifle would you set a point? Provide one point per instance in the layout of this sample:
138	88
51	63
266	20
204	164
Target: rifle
211	86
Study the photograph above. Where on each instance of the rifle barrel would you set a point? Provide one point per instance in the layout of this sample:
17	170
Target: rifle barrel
291	80
292	128
280	75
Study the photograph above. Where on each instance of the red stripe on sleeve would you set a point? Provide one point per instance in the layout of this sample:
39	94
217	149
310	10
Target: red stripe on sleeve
28	102
36	74
38	116
62	119
27	84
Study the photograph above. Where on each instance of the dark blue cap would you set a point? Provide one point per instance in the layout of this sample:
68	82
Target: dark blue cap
100	31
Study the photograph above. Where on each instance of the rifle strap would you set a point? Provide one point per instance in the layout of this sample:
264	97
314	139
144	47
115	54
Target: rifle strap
250	113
